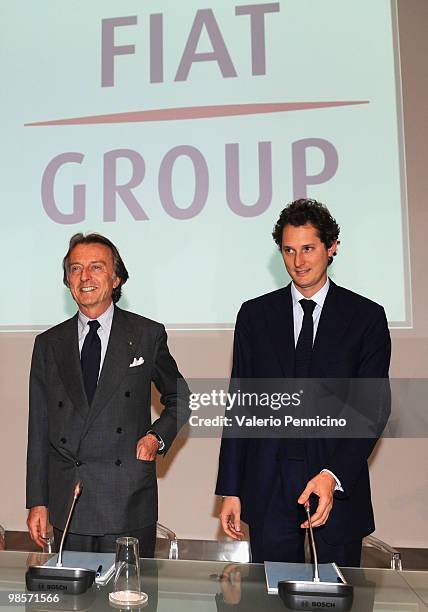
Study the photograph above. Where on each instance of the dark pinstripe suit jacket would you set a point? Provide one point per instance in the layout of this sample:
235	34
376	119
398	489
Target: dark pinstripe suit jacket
70	441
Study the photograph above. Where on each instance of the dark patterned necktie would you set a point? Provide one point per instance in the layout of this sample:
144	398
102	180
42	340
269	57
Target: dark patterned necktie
90	358
304	343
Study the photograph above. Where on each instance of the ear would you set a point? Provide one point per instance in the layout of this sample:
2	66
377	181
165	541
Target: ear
332	250
116	282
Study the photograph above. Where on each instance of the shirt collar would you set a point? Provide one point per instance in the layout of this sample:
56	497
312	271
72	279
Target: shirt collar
318	297
104	320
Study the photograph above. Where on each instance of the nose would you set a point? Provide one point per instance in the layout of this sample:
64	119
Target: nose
85	274
299	260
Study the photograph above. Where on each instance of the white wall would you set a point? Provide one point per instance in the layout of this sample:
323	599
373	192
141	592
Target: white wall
399	468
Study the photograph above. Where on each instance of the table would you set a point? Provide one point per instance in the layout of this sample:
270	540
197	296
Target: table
418	581
195	586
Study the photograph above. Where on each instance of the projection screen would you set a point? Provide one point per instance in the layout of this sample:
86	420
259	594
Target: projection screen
180	131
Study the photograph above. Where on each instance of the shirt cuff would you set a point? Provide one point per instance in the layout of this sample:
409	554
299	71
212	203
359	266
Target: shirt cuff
338	486
159	439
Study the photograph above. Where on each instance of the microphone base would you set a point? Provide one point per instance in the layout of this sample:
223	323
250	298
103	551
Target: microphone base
67	580
303	594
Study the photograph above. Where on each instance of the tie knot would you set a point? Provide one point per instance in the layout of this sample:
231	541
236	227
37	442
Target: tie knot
93	325
308	306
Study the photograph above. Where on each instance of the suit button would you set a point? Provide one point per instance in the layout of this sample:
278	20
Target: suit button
119	430
60	404
78	463
118	462
127	393
63	440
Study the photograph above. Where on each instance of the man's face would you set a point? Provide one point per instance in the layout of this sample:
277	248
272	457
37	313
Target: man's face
91	278
306	257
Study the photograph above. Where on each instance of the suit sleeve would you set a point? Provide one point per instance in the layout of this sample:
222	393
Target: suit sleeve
233	450
352	454
38	444
174	392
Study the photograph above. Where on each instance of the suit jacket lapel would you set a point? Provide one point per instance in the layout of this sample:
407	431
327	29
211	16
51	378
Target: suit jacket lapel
120	353
281	325
66	349
333	319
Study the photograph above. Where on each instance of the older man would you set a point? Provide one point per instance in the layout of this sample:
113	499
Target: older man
90	416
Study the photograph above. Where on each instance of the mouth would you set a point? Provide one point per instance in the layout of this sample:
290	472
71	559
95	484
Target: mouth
88	289
301	272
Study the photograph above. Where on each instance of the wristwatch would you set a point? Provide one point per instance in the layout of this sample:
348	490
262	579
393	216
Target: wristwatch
159	439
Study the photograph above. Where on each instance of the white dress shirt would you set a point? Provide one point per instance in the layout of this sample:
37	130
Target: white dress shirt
319	299
105	320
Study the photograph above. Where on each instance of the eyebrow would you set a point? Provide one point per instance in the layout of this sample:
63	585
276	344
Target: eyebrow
289	246
96	261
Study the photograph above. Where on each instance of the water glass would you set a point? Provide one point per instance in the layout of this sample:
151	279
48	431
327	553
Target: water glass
49	541
2	538
127	586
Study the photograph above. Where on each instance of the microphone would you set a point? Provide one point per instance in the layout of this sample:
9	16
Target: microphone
311	595
57	578
77	492
316	577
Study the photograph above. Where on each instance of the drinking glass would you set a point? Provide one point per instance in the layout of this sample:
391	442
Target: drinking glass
49	541
127	587
2	538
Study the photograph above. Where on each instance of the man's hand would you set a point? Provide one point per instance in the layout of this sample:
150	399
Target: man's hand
37	523
230	517
147	447
322	485
230	583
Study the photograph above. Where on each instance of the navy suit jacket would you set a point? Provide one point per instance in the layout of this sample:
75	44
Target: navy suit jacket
352	341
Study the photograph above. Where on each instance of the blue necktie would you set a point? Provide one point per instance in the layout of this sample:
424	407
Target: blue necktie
304	344
90	358
294	448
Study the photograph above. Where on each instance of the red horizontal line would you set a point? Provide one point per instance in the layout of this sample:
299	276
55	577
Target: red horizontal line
195	112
